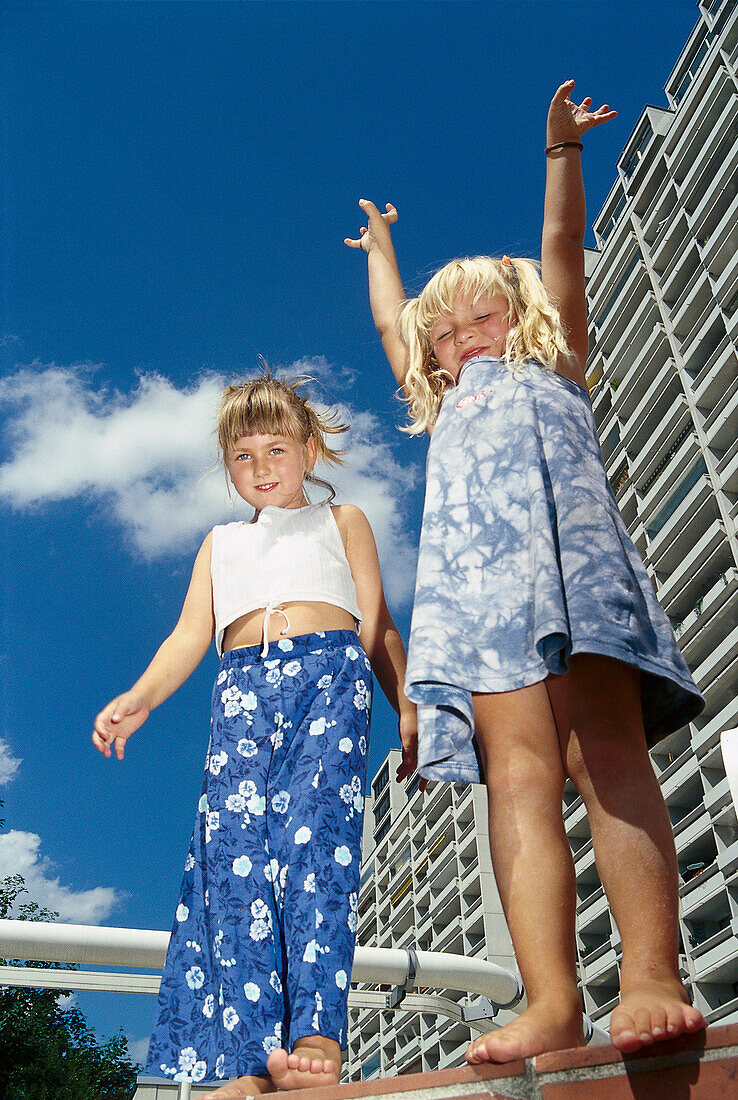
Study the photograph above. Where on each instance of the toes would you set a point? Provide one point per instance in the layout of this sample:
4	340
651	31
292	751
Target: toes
693	1019
658	1022
643	1024
623	1031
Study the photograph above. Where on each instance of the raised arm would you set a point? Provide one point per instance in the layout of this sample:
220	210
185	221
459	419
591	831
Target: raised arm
386	294
564	218
379	635
173	662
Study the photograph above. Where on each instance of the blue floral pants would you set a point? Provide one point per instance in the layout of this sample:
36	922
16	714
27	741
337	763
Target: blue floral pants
264	933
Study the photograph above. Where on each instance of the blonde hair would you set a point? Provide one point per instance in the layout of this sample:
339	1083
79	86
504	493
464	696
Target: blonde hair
272	406
536	330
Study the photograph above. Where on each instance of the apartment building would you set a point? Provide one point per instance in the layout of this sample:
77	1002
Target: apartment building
426	883
663	370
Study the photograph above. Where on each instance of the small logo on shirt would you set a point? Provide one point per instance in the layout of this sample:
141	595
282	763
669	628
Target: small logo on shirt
464	402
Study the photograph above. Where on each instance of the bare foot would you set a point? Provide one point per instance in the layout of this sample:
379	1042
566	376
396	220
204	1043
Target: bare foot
541	1028
650	1011
243	1086
305	1068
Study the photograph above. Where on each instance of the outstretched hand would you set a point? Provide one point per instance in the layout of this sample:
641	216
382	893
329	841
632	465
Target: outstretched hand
117	721
377	232
567	120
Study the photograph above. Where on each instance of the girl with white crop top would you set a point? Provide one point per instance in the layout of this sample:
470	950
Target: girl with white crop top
255	985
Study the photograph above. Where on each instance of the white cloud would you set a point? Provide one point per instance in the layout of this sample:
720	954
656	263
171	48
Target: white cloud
150	457
19	855
9	764
139	1050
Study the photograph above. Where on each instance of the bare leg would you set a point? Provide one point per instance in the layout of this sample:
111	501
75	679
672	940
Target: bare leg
244	1086
598	712
532	861
314	1061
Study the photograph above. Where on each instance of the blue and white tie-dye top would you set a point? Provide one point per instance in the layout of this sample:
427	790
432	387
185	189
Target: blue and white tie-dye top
524	560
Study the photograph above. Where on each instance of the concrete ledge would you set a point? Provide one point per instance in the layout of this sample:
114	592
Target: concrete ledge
695	1067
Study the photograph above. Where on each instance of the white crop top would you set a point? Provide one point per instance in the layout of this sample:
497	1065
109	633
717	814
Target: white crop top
288	554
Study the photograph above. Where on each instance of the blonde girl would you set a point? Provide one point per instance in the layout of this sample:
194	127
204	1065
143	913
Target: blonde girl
537	648
255	984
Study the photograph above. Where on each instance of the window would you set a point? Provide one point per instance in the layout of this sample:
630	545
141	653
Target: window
381	807
676	498
637	155
381	781
700	49
413	786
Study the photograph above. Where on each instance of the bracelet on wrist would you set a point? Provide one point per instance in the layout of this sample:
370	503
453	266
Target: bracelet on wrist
563	145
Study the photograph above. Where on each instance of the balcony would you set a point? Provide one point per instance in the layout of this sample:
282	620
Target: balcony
678	775
724	657
701	628
595	912
713	156
717	370
693	826
720	425
727	470
679	448
707	736
709	329
607	281
661	405
700	891
720	250
656	222
649	353
677	528
681	275
688	144
710	556
714	206
667	249
690	308
648	179
687	70
616	314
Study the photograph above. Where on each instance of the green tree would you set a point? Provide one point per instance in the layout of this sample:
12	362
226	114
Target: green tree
47	1051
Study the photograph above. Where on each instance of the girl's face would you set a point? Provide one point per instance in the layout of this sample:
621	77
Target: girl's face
270	469
472	328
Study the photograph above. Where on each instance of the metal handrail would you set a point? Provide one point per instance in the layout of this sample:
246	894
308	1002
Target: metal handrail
40	941
405	969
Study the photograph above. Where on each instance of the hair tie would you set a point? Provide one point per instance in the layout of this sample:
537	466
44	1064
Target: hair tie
507	262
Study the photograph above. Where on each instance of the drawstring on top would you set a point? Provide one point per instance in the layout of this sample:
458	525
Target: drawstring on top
270	610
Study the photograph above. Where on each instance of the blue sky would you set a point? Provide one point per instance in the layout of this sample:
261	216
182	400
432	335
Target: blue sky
180	180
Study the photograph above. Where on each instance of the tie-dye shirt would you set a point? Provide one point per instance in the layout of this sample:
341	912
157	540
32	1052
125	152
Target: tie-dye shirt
524	559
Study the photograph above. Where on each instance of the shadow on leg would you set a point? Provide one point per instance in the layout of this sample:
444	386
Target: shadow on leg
597	707
518	743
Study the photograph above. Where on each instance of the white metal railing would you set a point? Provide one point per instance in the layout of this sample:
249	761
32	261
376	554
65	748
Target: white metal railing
142	948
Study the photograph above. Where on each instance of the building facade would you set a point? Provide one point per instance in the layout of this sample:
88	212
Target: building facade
663	370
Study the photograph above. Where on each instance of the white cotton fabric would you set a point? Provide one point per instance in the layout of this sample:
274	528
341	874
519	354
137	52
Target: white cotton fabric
287	554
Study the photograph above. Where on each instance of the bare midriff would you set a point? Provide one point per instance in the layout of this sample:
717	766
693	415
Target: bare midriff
304	618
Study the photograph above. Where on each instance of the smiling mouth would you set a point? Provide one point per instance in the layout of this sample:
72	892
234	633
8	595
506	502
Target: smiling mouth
267	486
471	354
